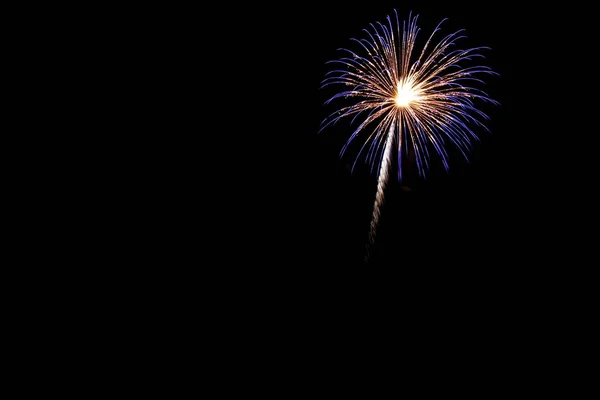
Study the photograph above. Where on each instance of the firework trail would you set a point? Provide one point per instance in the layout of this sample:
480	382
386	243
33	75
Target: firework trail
413	100
381	182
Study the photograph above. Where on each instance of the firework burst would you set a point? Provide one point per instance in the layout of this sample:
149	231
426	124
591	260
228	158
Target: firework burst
417	101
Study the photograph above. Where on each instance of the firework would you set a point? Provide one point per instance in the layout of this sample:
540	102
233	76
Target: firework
406	99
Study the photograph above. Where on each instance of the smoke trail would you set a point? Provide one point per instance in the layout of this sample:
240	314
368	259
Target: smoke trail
381	183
